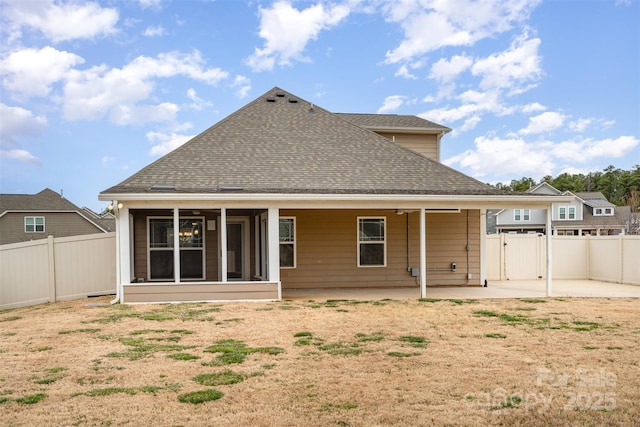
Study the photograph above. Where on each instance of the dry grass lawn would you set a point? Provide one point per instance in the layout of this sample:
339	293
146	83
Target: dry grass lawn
395	362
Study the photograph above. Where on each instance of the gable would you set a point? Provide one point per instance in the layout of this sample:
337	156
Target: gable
280	143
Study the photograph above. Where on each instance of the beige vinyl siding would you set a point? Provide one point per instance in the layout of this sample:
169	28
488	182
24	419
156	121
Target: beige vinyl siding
447	243
426	145
57	224
150	293
327	249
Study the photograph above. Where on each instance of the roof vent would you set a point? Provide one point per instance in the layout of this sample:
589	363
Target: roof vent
293	100
271	99
228	188
163	188
280	94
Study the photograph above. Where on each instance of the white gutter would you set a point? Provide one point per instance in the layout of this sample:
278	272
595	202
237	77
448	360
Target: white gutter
410	200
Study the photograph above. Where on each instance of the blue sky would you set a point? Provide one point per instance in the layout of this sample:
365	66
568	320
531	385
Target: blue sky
91	92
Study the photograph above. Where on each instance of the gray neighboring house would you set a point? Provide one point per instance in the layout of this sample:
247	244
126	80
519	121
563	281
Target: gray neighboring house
25	217
589	213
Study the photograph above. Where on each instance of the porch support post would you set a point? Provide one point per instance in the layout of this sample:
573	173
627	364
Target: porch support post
176	245
483	246
549	244
273	251
123	235
223	244
423	253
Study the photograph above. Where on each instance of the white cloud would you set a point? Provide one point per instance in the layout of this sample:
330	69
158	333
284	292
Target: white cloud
98	91
17	122
510	69
133	114
164	143
198	103
446	71
589	149
31	72
580	125
545	122
61	21
503	157
286	32
20	155
391	104
243	85
431	25
533	108
155	31
403	71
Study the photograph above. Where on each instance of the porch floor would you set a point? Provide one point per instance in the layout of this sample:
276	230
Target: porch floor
507	289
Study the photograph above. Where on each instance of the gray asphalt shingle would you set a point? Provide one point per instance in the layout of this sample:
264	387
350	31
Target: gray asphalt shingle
274	145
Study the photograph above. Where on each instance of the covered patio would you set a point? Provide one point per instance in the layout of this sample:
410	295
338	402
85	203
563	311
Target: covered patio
494	290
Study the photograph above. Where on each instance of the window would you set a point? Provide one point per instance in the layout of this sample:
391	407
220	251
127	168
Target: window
191	238
521	215
572	212
597	211
34	224
608	211
563	213
371	242
287	242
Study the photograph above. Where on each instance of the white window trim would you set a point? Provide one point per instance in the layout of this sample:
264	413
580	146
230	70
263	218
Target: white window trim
35	228
521	213
384	242
294	243
562	213
571	213
171	248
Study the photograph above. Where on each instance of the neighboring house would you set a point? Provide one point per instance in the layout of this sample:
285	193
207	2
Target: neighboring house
588	213
283	194
25	217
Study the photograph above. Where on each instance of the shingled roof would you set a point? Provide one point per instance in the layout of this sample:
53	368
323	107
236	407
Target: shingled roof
280	143
46	200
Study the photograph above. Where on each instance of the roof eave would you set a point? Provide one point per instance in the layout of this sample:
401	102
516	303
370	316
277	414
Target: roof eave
411	130
496	201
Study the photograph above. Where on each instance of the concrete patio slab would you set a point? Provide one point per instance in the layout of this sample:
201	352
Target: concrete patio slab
508	289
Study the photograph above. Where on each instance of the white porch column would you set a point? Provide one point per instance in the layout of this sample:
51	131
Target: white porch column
273	251
123	258
423	253
549	244
176	245
223	244
483	246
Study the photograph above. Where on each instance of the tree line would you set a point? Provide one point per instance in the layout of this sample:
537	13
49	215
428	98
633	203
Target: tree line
621	187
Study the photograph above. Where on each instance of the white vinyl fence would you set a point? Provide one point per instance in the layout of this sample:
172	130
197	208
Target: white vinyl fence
57	269
523	257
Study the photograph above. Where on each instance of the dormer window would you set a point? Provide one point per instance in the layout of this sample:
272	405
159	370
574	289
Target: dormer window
521	215
603	212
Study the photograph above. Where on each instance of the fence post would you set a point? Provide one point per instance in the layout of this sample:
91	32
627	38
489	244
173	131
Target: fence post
621	265
52	269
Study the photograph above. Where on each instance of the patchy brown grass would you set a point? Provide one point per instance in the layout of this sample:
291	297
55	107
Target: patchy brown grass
507	362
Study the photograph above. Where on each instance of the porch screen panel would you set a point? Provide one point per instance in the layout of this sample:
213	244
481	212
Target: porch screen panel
160	249
191	248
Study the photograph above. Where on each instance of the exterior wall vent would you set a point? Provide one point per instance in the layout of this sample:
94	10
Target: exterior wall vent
280	94
293	100
271	99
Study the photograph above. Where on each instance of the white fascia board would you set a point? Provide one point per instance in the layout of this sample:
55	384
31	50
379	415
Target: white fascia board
414	130
334	201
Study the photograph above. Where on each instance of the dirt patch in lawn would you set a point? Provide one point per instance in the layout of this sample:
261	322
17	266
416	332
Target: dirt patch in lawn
347	363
